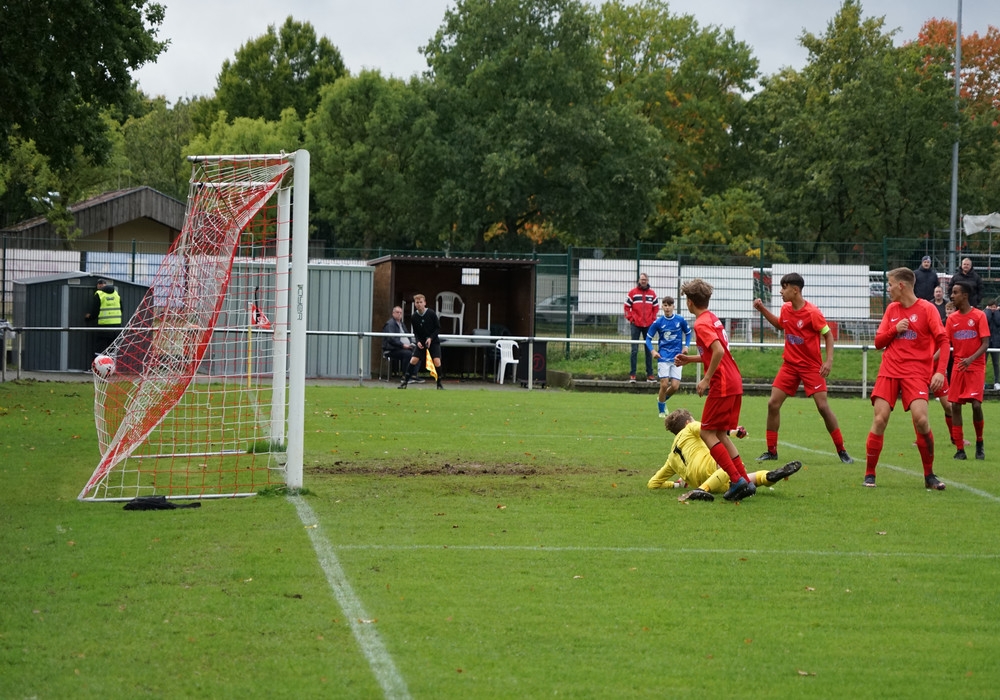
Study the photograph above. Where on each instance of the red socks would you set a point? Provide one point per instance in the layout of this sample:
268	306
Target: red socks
771	438
873	449
838	440
721	456
925	444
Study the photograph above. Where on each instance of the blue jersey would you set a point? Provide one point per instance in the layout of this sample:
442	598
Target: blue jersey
675	336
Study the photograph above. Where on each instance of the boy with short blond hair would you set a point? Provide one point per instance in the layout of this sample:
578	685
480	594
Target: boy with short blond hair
909	335
722	386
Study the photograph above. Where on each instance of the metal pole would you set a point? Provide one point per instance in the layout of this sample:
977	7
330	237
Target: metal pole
953	226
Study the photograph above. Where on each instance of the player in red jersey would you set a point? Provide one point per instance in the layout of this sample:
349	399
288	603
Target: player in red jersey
969	333
909	334
802	362
722	386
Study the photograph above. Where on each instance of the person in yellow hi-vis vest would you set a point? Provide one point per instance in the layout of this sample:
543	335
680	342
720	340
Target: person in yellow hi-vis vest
691	461
106	310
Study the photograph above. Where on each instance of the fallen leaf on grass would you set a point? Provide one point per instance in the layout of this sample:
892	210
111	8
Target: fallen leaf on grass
501	506
578	576
810	588
881	532
805	673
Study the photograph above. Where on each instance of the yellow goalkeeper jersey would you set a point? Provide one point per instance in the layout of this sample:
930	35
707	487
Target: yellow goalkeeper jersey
689	460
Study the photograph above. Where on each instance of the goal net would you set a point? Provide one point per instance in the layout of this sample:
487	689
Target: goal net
201	393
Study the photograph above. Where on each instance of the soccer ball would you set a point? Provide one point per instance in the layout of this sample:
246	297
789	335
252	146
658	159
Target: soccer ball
103	366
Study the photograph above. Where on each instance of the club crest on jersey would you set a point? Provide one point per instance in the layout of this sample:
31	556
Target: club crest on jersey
799	324
913	318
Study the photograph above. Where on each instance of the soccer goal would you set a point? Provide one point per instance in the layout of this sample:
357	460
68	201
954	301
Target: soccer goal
202	393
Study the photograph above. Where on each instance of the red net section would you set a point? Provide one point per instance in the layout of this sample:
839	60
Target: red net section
186	404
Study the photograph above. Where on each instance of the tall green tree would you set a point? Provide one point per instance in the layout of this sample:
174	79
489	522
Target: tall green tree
63	62
856	146
244	135
531	143
370	139
285	67
64	67
689	82
153	146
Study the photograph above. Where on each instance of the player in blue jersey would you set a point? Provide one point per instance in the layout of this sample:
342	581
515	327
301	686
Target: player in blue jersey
675	337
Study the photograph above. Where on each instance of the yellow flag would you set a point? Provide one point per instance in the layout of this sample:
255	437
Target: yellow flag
429	364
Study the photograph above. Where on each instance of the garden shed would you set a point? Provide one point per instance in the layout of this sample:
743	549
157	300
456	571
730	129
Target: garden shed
60	301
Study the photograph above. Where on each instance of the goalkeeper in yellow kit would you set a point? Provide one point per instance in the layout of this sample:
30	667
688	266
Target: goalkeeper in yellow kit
691	461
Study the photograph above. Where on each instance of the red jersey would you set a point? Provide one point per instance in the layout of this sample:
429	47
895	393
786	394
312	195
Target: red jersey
803	329
727	380
911	353
966	332
641	306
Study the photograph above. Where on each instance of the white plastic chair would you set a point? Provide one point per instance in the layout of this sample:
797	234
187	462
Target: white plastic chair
450	305
505	356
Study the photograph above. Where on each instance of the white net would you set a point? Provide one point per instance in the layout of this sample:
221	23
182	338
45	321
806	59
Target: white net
186	401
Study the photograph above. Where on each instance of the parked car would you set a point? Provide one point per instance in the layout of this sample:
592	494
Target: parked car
553	308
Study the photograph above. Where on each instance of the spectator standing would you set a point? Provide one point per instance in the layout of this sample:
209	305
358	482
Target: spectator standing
925	280
969	334
106	312
640	311
802	324
674	339
398	347
971	279
910	334
721	385
940	303
993	317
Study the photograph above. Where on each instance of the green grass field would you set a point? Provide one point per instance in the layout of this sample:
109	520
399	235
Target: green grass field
474	543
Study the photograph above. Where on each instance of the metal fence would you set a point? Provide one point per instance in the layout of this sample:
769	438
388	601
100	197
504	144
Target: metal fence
579	292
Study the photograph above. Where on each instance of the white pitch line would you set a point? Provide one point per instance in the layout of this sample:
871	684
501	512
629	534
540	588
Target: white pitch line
910	472
664	550
388	677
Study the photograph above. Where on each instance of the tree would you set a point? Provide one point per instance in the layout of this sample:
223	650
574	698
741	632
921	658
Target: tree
63	62
283	68
244	135
369	139
689	83
723	229
153	146
530	142
979	165
980	63
856	146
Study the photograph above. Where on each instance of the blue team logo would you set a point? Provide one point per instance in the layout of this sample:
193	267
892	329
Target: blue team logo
966	335
794	339
908	335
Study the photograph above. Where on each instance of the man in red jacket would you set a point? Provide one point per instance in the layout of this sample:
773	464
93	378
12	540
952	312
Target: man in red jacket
641	306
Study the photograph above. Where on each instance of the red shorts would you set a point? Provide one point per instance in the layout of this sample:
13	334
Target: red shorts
788	381
722	413
891	388
967	385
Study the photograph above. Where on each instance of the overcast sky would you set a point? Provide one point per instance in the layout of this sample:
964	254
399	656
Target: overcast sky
387	34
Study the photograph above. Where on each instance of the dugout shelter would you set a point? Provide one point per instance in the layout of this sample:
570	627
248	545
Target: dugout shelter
499	293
